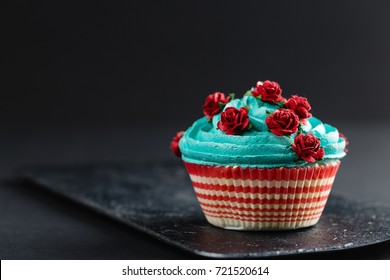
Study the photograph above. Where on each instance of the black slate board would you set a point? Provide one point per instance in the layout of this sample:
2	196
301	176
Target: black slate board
158	199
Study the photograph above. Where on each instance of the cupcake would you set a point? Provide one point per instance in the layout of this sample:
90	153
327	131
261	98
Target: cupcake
260	162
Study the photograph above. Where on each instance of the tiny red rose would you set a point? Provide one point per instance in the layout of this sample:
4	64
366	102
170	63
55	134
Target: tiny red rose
283	122
307	147
175	143
300	106
269	91
211	104
346	141
233	121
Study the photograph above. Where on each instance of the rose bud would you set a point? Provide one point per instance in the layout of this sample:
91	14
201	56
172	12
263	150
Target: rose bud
269	91
175	143
346	141
300	106
283	122
234	121
307	147
212	104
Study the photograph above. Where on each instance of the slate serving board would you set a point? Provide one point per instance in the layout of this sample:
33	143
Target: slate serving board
158	199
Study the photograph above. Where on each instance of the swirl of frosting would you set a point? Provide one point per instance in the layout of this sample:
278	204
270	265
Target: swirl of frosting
204	143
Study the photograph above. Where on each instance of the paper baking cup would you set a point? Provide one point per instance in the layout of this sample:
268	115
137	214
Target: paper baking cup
238	198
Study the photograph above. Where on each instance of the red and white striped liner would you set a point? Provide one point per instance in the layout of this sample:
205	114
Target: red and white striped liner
262	198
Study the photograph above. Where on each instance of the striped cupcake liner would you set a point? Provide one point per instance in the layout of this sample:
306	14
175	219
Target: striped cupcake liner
262	198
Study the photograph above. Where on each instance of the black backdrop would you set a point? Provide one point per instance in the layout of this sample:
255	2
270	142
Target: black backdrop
155	61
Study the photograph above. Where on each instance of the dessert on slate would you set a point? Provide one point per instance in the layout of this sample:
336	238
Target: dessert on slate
260	162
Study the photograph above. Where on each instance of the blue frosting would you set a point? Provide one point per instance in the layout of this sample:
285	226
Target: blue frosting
204	143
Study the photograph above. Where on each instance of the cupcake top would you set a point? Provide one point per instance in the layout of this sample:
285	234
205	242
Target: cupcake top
261	129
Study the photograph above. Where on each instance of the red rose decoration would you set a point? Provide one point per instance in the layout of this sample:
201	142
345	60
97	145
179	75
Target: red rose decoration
233	120
307	147
346	141
283	122
300	106
211	104
175	143
269	91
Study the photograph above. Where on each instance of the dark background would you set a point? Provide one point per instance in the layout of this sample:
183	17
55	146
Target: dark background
152	61
114	80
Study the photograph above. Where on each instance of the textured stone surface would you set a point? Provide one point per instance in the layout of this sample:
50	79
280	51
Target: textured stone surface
158	199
